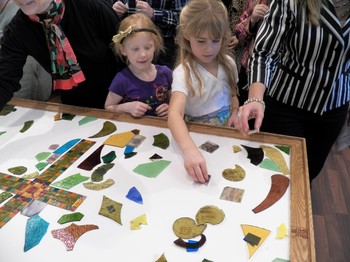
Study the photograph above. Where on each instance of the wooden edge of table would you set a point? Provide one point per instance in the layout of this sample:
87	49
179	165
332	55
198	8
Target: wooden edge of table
302	242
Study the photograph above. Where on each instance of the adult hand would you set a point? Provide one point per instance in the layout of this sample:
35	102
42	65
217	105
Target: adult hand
162	110
144	7
120	8
195	166
258	13
136	108
246	112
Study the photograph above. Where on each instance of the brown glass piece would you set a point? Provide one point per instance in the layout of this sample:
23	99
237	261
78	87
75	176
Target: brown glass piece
93	160
181	243
279	185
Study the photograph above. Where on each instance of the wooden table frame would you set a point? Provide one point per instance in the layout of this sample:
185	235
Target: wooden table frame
302	243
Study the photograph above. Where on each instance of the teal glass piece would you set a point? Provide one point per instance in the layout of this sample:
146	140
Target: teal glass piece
36	229
108	158
66	146
267	163
86	120
2	132
128	149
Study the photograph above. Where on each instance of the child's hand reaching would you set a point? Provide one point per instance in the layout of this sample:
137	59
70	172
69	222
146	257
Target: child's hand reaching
195	166
162	110
136	108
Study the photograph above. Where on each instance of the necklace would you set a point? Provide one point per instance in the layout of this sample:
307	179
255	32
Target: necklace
3	8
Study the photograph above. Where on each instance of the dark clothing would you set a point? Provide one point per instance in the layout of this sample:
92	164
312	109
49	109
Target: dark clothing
153	93
89	26
166	18
303	65
319	131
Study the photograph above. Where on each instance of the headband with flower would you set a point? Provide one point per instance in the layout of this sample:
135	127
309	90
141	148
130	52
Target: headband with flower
118	38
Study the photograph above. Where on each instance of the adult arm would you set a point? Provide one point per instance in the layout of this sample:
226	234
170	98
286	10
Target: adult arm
265	56
12	60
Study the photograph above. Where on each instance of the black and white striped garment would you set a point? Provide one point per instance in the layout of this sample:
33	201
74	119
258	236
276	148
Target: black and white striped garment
302	65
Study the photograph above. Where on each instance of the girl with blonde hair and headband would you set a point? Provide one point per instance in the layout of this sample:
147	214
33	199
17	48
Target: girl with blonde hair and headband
142	88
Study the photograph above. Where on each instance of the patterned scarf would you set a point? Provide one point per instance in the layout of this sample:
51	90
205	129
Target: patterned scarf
66	72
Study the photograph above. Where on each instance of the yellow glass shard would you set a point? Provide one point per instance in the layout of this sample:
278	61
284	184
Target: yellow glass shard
119	140
236	149
282	231
135	223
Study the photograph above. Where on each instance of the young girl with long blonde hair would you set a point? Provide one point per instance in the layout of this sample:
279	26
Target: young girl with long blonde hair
205	78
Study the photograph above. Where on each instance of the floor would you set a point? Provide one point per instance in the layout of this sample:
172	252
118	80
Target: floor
331	208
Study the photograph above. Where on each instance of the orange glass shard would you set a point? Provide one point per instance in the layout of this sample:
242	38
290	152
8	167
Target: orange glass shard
279	185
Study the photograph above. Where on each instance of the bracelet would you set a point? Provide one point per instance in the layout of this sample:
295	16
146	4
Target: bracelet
254	99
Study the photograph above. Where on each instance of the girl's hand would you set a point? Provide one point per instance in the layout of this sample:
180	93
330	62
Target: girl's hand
162	110
136	108
195	166
119	8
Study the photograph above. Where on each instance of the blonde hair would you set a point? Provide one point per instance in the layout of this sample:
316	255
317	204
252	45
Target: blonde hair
196	18
312	9
137	23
